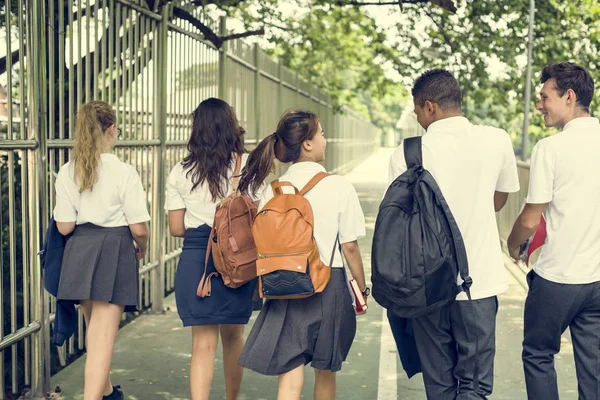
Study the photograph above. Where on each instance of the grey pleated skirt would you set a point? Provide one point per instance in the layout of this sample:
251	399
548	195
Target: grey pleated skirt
288	333
100	264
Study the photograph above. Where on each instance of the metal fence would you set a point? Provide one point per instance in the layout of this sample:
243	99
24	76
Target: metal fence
154	69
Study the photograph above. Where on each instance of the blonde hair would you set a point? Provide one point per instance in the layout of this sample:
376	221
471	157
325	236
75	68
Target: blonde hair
93	119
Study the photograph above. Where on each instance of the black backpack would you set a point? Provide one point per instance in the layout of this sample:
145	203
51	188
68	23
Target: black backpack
418	250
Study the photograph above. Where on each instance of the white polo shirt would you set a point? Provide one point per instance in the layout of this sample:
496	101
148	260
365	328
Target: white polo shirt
564	174
198	204
469	163
335	207
117	199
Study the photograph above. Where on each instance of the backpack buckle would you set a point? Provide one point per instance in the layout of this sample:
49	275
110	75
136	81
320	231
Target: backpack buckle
467	282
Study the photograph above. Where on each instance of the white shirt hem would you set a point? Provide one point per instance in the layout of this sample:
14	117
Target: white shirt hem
483	294
569	281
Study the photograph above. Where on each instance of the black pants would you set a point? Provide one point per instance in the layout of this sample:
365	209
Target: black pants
457	344
551	308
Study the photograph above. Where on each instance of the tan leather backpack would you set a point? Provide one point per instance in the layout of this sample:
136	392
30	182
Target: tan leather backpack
231	242
289	265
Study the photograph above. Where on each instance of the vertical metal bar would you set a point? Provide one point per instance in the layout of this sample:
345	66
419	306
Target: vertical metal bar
525	138
130	67
2	385
140	98
161	71
111	64
257	91
72	88
25	266
134	80
176	103
12	245
61	70
80	81
222	59
23	96
186	89
80	333
120	23
98	48
24	195
51	50
280	88
9	68
88	54
37	106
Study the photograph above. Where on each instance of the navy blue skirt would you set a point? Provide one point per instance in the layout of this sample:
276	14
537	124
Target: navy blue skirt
224	305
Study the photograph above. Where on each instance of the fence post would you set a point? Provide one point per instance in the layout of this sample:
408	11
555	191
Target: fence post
222	59
280	89
37	175
297	87
158	192
257	91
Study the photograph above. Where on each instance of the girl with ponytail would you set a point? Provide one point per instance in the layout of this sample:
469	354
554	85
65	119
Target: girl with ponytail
319	329
101	204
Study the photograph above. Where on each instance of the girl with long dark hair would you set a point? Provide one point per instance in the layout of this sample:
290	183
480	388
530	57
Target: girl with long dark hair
288	334
194	188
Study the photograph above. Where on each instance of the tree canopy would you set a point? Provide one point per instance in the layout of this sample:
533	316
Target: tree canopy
342	46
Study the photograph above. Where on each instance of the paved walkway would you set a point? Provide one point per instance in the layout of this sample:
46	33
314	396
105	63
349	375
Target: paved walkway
152	352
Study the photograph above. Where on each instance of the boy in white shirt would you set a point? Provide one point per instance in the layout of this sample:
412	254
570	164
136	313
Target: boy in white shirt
475	169
564	285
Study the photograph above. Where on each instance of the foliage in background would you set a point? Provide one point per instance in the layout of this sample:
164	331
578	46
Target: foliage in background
496	31
339	45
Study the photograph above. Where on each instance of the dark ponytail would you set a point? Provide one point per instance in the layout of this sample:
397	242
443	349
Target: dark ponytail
259	165
294	128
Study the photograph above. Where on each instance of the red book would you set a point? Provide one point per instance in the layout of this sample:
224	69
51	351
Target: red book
536	241
361	304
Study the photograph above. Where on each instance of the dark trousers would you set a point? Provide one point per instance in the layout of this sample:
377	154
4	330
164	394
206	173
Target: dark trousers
457	344
551	308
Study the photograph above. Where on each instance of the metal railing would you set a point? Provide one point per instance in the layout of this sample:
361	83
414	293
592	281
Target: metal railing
155	69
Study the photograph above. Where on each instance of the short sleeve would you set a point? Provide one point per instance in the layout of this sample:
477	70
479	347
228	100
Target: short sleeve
397	164
508	178
64	210
351	218
541	175
174	199
135	206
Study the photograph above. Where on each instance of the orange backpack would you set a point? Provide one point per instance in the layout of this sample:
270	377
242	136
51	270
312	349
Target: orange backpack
230	241
289	265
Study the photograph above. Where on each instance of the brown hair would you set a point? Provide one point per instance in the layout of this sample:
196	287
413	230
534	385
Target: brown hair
285	144
93	119
216	134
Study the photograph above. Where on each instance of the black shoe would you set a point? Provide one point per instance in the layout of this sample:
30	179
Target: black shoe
116	394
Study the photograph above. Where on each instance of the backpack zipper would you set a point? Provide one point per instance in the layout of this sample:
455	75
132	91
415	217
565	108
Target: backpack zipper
282	254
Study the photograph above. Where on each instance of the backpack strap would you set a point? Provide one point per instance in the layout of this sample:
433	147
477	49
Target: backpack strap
276	185
204	287
336	245
236	172
413	153
315	179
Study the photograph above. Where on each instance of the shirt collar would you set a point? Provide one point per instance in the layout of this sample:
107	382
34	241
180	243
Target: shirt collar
448	123
582	123
306	166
